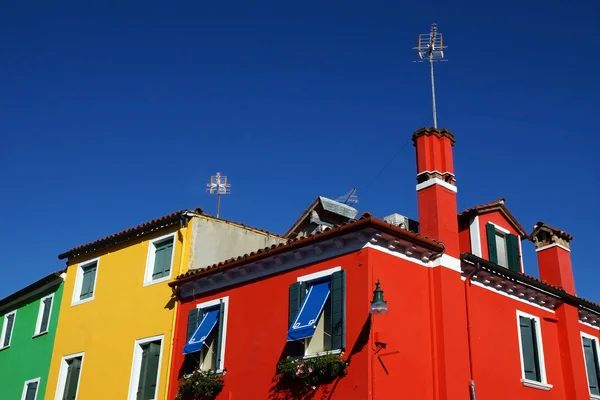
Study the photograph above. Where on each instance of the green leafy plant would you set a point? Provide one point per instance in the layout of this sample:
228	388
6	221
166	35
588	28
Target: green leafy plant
309	373
200	385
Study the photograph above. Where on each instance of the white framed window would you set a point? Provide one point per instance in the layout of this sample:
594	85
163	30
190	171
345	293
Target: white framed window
591	352
85	282
531	351
30	389
69	377
8	326
44	313
206	336
145	370
504	248
159	262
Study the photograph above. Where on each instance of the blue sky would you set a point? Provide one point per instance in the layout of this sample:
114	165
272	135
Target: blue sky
115	114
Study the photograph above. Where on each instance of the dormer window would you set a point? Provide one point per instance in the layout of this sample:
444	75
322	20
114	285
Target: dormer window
503	247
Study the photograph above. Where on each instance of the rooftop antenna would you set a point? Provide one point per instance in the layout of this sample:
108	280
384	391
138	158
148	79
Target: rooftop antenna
349	198
218	185
431	49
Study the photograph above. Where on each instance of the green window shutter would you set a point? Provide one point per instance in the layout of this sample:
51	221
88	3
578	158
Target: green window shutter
89	278
297	293
31	391
220	337
531	362
512	249
149	371
10	322
194	317
72	378
491	239
591	364
338	310
162	259
47	304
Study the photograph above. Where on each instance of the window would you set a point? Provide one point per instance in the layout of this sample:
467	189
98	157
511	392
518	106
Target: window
85	282
30	389
503	247
146	367
68	377
160	259
532	352
316	316
590	353
43	319
7	329
206	333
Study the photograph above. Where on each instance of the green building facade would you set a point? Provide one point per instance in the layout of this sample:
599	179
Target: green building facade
28	320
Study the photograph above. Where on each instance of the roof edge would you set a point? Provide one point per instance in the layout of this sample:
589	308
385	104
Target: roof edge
28	290
496	206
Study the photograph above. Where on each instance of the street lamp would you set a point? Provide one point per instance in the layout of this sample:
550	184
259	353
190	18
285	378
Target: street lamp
378	304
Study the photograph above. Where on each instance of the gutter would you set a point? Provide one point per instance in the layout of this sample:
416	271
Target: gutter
467	285
532	282
366	221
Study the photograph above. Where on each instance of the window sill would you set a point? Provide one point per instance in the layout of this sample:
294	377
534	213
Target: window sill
594	397
76	303
536	385
323	353
5	347
159	280
39	334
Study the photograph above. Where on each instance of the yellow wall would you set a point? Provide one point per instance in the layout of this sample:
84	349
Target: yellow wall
122	311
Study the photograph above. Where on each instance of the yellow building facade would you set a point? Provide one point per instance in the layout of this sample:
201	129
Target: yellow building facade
117	315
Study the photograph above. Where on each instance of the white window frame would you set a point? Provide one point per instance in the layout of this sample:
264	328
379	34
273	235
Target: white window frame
62	375
309	278
136	365
543	385
38	322
152	255
213	303
4	325
595	340
79	281
25	388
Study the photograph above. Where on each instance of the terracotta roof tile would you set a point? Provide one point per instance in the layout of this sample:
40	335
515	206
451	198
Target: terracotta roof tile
365	220
558	232
496	205
127	234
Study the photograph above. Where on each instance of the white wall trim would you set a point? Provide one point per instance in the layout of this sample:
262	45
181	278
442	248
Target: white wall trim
444	261
500	292
436	181
12	329
212	303
475	235
38	322
151	257
62	375
540	346
79	281
137	364
553	245
501	229
37	390
595	340
590	325
317	275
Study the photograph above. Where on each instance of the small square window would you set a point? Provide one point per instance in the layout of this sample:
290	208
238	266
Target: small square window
592	362
503	247
531	352
85	282
159	262
145	372
8	326
30	389
69	376
44	313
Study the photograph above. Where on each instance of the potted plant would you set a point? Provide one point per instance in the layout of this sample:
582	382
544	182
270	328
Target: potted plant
200	385
309	373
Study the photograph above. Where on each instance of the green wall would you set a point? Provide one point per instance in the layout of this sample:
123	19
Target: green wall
28	357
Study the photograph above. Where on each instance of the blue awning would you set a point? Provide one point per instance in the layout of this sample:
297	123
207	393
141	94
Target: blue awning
209	320
306	320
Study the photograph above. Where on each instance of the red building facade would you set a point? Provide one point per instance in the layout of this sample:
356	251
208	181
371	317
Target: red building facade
464	321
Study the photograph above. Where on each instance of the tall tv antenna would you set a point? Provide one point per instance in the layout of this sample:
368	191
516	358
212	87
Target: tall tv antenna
218	185
431	49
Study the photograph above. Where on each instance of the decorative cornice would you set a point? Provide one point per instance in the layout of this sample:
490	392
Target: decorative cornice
433	132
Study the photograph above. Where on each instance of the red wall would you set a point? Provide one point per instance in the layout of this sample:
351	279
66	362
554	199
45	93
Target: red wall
464	238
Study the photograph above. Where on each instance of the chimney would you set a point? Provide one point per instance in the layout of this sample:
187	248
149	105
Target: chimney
436	190
553	248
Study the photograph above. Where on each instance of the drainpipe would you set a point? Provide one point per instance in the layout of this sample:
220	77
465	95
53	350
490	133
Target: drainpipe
467	285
